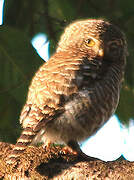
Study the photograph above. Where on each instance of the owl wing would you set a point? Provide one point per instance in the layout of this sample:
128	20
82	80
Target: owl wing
54	85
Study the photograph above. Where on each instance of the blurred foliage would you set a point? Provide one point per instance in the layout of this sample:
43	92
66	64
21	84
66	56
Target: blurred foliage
18	60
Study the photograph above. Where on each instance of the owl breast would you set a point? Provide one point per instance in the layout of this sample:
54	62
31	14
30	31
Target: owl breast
89	108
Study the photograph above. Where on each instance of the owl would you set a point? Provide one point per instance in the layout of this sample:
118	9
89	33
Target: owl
73	94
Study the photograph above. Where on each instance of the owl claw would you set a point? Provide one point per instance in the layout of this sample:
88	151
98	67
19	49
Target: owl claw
68	150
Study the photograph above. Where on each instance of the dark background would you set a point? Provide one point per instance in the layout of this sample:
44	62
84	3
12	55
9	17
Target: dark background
23	19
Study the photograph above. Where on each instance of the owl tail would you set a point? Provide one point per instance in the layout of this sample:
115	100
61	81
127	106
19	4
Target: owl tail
25	139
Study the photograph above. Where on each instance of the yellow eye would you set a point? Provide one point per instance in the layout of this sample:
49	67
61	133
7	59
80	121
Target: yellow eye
90	42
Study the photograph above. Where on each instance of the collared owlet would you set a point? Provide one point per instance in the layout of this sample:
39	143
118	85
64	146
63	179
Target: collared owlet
73	94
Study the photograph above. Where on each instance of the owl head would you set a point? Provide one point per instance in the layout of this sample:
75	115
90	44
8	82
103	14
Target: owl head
94	39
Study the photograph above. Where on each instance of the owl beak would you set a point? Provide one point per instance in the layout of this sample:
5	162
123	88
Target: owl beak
101	52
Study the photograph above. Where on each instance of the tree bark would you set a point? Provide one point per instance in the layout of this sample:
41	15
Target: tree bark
52	163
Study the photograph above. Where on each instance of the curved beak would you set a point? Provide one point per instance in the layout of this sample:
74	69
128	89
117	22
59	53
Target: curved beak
101	52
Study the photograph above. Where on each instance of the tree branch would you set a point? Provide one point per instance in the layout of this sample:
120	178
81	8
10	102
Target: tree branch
52	163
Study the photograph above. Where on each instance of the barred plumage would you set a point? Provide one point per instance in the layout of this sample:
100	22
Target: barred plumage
73	94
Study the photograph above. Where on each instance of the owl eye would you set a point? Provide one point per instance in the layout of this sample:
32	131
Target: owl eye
90	42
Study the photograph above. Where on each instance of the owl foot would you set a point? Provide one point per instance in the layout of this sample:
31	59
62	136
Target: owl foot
69	150
76	148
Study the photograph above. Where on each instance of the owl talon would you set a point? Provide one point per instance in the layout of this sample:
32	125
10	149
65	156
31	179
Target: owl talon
68	150
47	145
